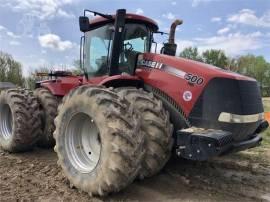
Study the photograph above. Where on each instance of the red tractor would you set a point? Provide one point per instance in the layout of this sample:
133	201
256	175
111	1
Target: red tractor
132	108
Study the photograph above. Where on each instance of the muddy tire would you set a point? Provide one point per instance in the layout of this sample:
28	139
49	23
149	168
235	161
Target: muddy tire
98	140
48	106
19	120
156	128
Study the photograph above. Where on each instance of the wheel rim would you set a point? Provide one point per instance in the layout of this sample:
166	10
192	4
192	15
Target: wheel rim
6	122
82	142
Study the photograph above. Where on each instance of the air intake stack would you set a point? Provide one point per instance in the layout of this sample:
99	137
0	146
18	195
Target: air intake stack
170	47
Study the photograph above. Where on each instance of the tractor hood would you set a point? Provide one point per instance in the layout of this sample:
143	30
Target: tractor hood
202	90
194	67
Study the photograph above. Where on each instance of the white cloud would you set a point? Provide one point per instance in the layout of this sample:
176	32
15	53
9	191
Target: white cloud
2	28
182	44
233	44
215	19
139	11
248	17
195	3
8	32
62	13
169	16
223	30
14	43
12	35
173	3
38	8
54	42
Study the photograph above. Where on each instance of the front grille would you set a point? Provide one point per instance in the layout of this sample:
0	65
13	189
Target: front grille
231	96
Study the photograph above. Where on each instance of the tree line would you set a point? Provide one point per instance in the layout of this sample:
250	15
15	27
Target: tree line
10	70
249	65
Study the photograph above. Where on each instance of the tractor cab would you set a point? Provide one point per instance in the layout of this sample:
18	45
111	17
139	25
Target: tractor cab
112	43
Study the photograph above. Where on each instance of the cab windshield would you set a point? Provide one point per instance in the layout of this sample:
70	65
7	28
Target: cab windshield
98	42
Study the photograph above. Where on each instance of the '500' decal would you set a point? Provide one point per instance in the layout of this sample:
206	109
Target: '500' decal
191	78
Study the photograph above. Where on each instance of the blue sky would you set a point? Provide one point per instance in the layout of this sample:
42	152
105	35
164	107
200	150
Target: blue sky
46	32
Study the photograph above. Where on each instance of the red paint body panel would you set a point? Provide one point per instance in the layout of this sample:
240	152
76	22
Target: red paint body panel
175	86
119	77
62	85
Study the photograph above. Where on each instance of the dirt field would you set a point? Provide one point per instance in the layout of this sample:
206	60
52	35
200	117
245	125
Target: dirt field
244	176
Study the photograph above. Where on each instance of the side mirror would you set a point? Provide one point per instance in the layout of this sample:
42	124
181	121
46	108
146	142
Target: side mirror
84	23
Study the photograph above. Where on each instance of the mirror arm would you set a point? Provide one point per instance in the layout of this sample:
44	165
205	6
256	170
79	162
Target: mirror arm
109	17
162	33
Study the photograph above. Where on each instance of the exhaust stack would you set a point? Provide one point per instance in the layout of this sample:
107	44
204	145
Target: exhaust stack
170	47
172	30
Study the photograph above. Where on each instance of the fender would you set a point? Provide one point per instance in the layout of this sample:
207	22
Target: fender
122	80
61	86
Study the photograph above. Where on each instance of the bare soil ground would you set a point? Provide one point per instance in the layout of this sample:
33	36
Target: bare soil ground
245	176
34	176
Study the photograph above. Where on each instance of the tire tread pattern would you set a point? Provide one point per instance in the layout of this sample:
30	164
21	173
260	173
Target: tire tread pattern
49	104
26	119
156	128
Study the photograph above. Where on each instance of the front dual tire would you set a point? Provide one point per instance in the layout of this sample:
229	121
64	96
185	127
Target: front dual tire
156	127
98	140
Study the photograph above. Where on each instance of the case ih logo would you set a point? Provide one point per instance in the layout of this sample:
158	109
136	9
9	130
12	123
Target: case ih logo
151	64
191	78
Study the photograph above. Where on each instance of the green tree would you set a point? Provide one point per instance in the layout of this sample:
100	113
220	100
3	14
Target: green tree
232	64
191	53
78	69
10	69
256	67
33	76
216	58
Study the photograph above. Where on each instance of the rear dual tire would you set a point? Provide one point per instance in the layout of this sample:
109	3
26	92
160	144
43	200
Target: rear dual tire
48	106
19	120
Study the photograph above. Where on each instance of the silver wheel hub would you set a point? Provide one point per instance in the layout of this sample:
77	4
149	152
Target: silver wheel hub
6	122
82	143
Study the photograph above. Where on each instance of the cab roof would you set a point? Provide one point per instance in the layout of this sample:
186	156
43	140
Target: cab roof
130	18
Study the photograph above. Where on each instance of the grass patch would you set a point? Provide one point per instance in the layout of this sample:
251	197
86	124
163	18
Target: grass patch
266	134
257	154
266	104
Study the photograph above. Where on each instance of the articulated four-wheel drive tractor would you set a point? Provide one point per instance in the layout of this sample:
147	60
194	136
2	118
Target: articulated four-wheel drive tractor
131	109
